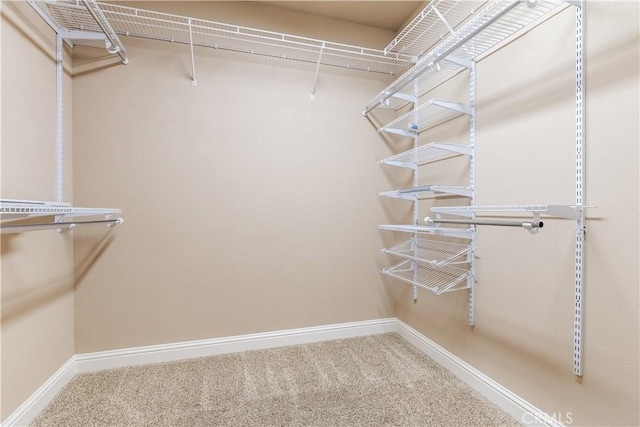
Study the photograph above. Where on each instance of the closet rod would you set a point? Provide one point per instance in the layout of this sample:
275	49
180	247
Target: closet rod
6	229
529	225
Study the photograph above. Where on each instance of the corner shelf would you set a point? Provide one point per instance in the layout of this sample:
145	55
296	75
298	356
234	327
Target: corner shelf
428	153
435	253
426	116
436	280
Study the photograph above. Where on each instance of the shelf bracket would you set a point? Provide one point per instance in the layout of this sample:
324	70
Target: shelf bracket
404	97
462	108
460	61
315	78
399	132
194	82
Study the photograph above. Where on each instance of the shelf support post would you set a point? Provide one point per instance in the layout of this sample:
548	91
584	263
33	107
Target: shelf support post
580	222
472	200
59	118
194	82
315	78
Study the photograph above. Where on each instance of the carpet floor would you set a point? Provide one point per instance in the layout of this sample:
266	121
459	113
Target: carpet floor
378	380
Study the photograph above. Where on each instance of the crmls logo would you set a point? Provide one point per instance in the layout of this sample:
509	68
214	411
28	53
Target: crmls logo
565	418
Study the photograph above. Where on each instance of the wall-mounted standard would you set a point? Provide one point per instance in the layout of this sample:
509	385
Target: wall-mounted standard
447	44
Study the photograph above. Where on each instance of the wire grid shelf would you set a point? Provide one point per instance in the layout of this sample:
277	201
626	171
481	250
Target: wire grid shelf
426	116
427	28
416	193
435	253
133	22
436	280
562	211
461	233
12	209
499	21
432	152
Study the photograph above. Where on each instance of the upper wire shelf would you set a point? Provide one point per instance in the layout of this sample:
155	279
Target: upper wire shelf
432	152
15	209
433	252
133	22
436	280
491	26
426	116
438	18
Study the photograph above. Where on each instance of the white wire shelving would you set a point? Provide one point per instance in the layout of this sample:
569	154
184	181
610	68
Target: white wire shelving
488	28
416	193
460	233
19	209
435	253
426	116
135	22
427	28
560	211
432	152
436	280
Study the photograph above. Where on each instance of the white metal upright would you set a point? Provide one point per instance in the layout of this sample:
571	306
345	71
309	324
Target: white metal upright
580	199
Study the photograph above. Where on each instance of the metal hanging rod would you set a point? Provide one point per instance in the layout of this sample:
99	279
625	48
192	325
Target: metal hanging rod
60	226
532	226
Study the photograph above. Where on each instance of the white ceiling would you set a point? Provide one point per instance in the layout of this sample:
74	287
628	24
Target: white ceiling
390	15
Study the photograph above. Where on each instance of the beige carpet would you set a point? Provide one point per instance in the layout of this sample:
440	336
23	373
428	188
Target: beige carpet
370	381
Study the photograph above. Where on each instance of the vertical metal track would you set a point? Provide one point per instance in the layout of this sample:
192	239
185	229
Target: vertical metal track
472	177
414	264
580	157
59	119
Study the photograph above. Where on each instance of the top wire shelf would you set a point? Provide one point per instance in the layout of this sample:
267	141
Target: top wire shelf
17	209
134	22
427	28
499	21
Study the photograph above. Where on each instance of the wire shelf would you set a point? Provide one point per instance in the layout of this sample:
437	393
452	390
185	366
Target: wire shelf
430	114
493	25
416	192
435	253
562	211
133	22
461	233
428	28
436	280
14	209
428	153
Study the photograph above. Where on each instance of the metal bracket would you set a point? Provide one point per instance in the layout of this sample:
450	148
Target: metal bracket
315	78
194	82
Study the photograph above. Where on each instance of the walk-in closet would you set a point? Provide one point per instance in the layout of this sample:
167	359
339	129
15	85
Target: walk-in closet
327	213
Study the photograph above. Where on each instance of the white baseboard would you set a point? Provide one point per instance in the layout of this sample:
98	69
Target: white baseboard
518	408
42	396
512	404
91	362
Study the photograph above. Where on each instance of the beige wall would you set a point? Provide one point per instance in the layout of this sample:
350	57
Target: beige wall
251	208
248	206
37	267
523	336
